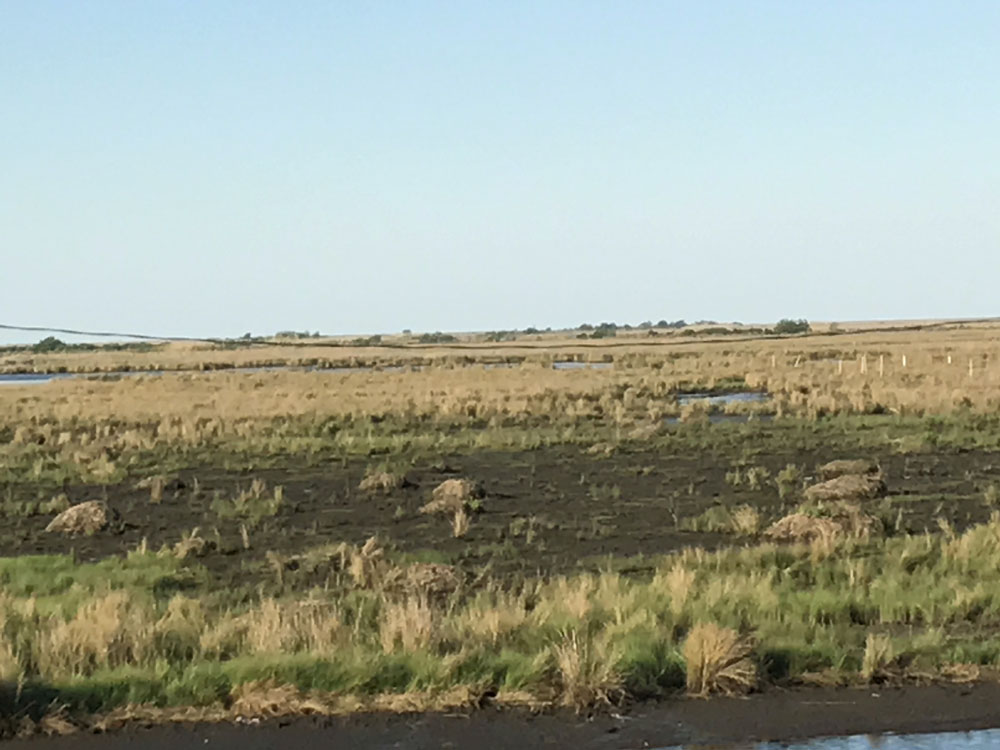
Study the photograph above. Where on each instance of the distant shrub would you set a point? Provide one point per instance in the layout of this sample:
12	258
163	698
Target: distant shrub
787	326
49	344
296	335
436	338
605	331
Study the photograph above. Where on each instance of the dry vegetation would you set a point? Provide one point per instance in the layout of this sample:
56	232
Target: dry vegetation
816	583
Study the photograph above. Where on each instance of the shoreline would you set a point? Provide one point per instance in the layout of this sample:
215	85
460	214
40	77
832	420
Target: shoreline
776	716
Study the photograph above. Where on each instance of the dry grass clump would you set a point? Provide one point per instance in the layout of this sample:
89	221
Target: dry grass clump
266	699
847	487
718	661
453	495
460	523
382	481
588	670
108	631
847	466
679	583
367	565
877	658
86	518
409	624
745	520
193	545
432	580
826	523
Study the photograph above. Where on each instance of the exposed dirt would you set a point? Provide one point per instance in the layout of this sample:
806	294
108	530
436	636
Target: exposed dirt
774	716
546	510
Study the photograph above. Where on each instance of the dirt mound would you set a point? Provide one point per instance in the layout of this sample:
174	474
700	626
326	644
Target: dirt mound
847	487
452	495
382	481
846	466
85	518
842	521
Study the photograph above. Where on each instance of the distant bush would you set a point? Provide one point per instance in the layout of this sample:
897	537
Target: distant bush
296	335
436	338
787	326
375	340
675	324
605	331
498	336
49	344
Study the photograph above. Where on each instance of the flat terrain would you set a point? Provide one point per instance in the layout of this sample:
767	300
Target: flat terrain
599	545
551	510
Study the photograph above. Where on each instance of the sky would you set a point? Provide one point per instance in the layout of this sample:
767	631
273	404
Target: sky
211	168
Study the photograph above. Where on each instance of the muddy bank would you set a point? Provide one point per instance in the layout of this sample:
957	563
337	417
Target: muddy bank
773	716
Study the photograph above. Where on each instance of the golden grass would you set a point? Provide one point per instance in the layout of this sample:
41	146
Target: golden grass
143	411
588	670
718	661
878	656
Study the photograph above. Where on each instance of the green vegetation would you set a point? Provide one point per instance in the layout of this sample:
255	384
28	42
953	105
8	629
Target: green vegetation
787	326
145	629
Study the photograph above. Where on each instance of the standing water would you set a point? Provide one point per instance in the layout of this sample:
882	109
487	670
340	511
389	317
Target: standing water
978	740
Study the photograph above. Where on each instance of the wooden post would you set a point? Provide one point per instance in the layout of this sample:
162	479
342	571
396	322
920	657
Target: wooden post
949	359
797	360
971	370
774	361
864	364
904	361
840	367
881	365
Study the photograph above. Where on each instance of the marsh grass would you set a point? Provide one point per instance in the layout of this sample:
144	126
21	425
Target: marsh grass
743	520
718	661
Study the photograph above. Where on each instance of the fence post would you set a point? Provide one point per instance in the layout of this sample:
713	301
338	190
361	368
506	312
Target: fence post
881	365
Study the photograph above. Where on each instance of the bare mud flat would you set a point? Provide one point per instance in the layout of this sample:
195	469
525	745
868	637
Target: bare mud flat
774	716
551	509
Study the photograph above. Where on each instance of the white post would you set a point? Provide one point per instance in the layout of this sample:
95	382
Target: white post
971	370
840	367
797	360
949	359
864	364
881	365
904	361
774	361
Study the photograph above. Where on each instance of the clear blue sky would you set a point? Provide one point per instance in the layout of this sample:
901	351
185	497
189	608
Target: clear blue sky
212	168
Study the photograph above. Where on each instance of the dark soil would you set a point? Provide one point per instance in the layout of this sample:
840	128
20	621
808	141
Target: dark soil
774	716
549	510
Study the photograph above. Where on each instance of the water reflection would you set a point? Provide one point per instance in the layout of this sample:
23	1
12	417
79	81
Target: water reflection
736	397
41	378
978	740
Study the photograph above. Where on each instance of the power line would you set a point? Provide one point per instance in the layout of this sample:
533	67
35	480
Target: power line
107	334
